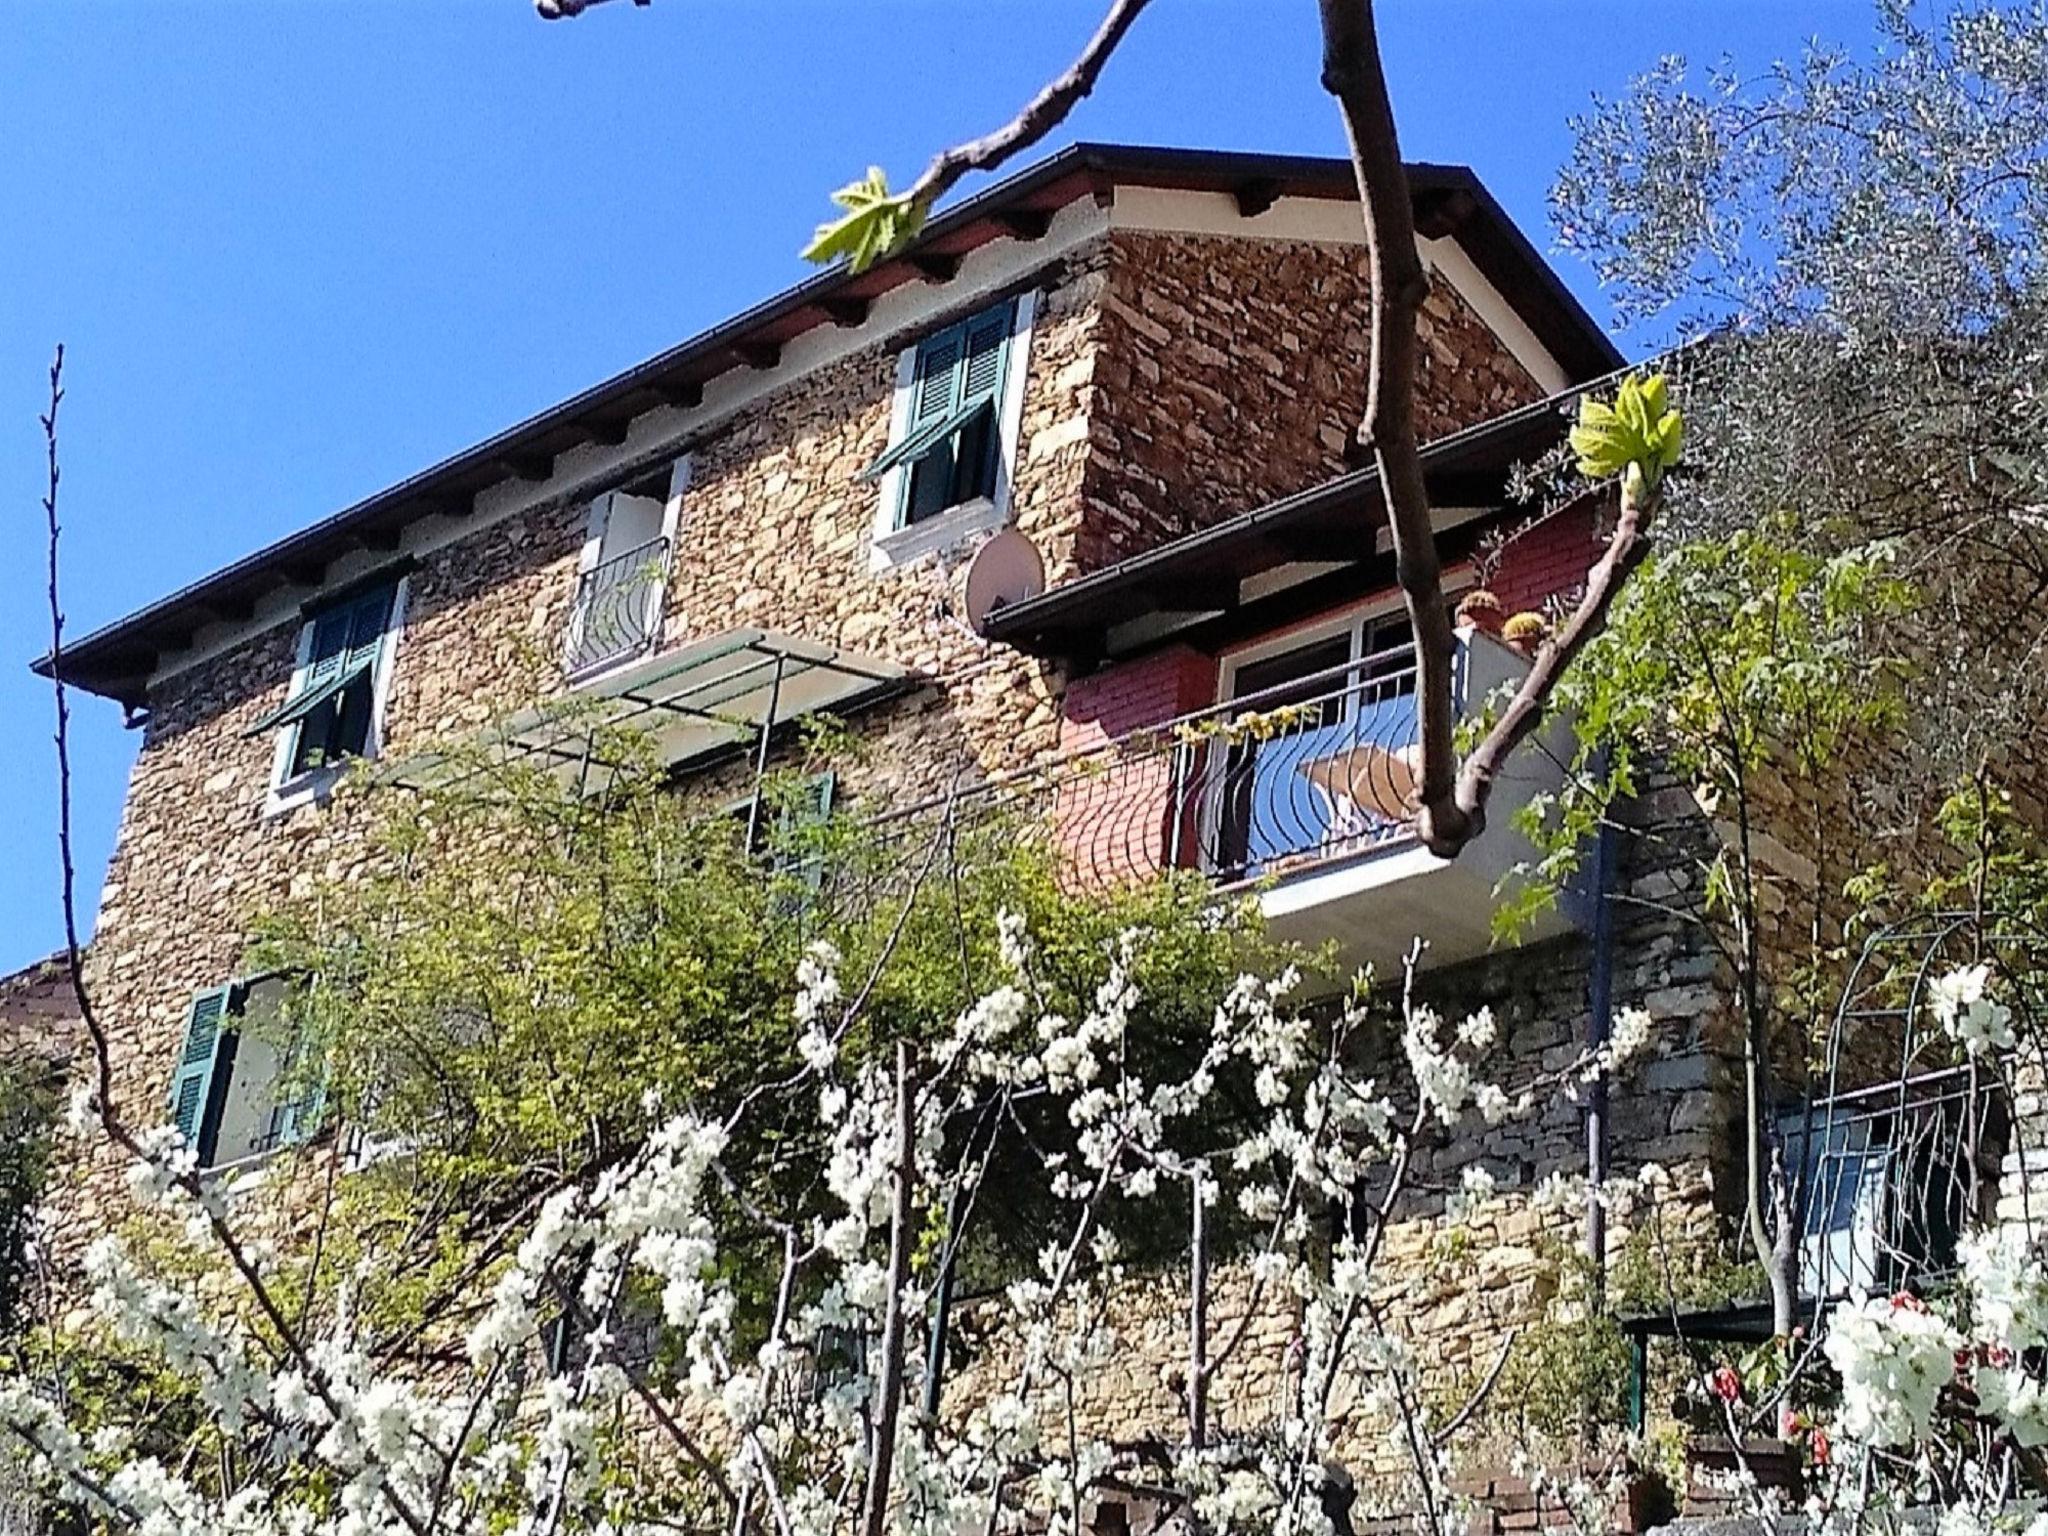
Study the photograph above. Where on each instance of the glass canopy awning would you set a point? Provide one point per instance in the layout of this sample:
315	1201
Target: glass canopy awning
715	697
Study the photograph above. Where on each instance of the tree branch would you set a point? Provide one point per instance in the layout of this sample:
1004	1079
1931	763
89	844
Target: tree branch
1626	549
1043	113
1352	73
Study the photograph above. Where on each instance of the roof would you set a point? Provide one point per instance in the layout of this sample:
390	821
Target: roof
117	660
1334	523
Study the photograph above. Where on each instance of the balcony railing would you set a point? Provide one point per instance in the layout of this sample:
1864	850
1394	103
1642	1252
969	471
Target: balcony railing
1889	1177
618	608
1311	772
1316	769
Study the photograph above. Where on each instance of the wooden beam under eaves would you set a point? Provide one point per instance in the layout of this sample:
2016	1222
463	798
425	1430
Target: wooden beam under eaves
609	433
230	610
378	540
1023	223
934	266
758	354
1443	212
1320	543
1256	195
1192	594
683	394
526	466
845	310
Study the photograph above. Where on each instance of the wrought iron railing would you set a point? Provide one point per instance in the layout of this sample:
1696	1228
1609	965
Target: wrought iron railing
1317	769
618	607
1890	1176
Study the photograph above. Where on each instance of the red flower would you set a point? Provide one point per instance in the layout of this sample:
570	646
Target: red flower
1906	1301
1790	1425
1821	1446
1726	1384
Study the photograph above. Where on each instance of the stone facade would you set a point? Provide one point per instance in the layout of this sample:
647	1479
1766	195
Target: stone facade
1172	380
1233	373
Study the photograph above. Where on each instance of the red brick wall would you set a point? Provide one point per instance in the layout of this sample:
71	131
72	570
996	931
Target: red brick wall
1112	818
1547	561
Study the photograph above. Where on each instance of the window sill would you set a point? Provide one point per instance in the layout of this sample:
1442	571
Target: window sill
313	787
596	672
952	526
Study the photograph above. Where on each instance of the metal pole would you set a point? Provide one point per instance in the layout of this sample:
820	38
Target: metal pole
942	1310
761	754
1600	1010
1198	1322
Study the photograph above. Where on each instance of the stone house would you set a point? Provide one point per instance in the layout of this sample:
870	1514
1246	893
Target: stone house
1130	374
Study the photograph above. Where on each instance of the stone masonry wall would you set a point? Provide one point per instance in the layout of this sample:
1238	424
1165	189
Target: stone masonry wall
1171	380
1233	372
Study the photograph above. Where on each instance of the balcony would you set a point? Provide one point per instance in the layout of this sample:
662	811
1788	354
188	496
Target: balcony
1299	795
617	613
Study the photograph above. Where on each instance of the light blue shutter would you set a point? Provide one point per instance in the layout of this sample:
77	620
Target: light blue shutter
193	1083
298	1119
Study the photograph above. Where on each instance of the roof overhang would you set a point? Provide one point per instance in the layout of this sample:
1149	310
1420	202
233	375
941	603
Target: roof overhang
118	660
1317	544
712	698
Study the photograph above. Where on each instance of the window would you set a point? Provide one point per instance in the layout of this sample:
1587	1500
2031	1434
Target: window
959	402
623	574
1333	770
330	715
239	1089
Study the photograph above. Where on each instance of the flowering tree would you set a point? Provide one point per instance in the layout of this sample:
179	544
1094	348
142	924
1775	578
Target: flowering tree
747	1409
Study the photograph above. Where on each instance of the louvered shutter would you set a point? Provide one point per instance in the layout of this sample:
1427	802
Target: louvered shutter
988	338
809	809
197	1084
298	1119
368	618
329	651
936	388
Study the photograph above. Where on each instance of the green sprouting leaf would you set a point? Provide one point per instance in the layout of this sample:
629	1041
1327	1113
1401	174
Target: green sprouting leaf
1640	430
875	224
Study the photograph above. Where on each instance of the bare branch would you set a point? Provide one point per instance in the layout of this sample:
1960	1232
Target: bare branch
1352	73
1626	549
1045	112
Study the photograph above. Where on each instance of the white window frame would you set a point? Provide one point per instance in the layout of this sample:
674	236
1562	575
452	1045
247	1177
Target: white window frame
894	543
1350	621
289	791
680	476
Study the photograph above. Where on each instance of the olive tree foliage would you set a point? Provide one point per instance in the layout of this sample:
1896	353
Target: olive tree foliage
1858	235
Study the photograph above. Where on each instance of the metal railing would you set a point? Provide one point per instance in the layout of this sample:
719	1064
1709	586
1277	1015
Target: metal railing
617	612
1315	769
1890	1176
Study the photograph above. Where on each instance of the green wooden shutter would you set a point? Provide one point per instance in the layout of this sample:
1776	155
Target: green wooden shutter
298	1119
988	338
368	617
328	653
935	385
809	809
197	1085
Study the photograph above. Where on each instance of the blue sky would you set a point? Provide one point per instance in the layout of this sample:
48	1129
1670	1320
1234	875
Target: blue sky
299	249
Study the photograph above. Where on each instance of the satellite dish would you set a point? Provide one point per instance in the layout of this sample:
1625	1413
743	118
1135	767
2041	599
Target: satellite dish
1007	569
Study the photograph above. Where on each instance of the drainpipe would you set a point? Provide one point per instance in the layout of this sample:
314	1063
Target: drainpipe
1599	1022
